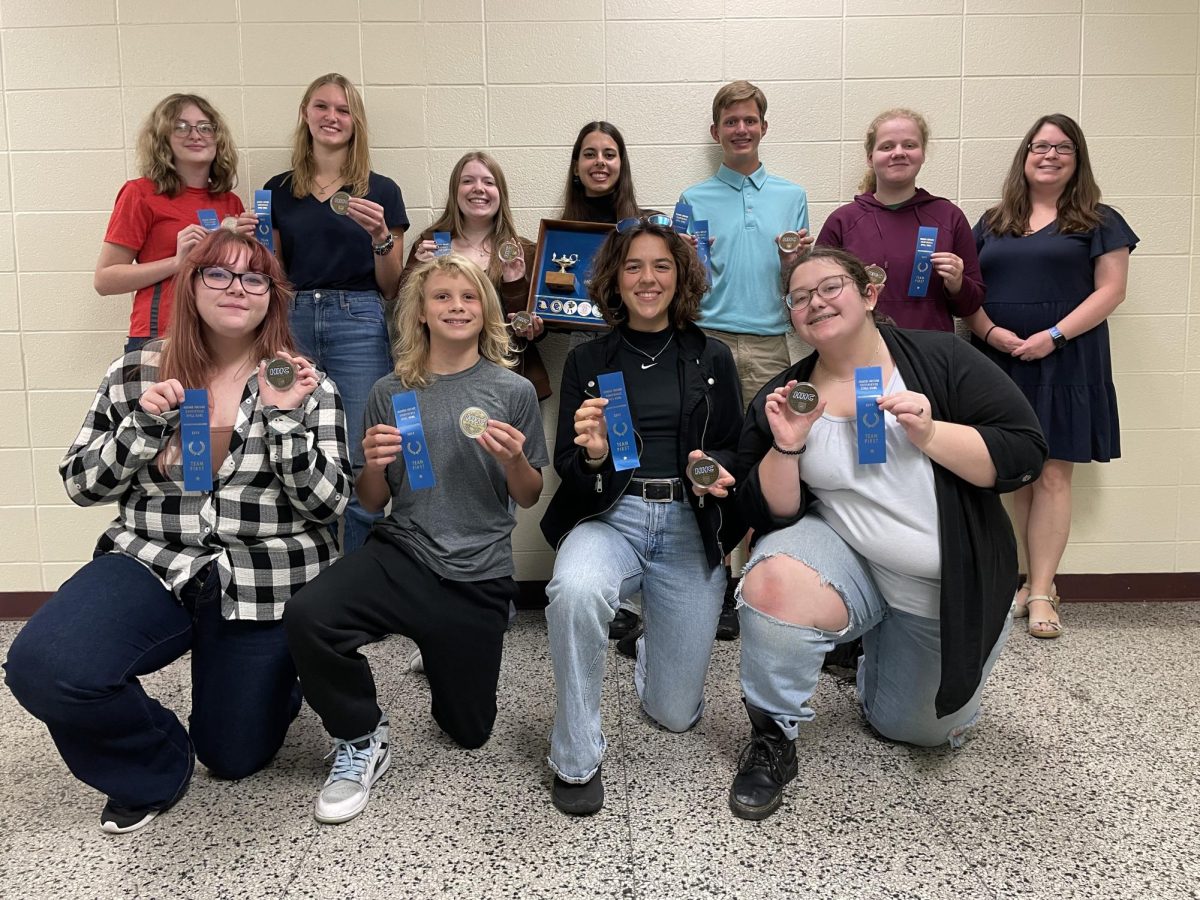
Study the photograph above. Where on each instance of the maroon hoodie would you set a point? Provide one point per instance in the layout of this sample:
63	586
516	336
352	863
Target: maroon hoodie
888	238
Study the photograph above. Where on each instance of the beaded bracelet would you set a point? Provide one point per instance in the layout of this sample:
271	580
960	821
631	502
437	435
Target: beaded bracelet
778	449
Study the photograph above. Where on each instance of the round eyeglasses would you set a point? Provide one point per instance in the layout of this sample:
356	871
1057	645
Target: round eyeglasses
826	289
204	129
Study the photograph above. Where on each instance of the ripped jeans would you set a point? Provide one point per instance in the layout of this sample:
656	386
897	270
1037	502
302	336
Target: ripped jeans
901	666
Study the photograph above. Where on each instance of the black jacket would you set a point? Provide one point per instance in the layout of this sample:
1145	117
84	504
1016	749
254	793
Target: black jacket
710	420
979	555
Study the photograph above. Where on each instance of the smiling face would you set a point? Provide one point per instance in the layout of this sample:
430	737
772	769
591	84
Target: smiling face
452	309
231	312
647	283
599	164
739	131
193	147
840	313
478	195
898	154
327	115
1049	170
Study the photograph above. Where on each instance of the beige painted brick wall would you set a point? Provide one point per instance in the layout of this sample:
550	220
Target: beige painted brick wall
517	77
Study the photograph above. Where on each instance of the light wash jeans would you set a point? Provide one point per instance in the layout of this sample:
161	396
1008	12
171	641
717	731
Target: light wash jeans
655	548
901	666
343	333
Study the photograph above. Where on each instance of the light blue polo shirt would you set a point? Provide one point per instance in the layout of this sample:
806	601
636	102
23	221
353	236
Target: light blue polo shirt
745	213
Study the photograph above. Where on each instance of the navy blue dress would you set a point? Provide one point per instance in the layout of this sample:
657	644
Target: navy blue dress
1033	282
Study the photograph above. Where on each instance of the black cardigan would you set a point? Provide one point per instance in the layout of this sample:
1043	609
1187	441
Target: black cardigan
979	556
710	420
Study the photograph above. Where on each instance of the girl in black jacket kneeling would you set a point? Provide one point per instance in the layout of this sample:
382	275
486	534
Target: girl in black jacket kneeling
627	522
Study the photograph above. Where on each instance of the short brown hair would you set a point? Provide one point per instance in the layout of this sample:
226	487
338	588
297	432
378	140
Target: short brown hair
691	281
736	92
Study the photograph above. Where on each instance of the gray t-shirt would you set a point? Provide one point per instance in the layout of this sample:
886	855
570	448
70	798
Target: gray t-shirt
888	513
461	527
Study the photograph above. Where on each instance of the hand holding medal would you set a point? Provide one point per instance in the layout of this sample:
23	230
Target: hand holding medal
791	411
707	475
285	381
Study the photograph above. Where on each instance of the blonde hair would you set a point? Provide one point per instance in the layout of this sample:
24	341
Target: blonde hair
868	184
357	167
156	160
503	226
411	346
736	92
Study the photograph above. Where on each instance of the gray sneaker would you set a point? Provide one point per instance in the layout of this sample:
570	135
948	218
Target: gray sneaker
356	766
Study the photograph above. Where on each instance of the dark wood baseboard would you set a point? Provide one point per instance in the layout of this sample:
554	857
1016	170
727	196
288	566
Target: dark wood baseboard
1134	587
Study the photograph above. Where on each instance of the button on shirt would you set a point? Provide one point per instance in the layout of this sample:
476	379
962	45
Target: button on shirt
744	214
264	523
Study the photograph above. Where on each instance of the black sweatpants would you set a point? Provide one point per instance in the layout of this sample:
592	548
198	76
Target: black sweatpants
379	590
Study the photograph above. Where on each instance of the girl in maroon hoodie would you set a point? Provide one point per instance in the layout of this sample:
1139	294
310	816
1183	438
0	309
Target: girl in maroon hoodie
880	226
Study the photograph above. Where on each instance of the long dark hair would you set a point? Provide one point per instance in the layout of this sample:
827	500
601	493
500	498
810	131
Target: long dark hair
1078	205
604	285
574	195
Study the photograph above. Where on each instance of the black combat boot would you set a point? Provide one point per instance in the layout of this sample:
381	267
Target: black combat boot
767	763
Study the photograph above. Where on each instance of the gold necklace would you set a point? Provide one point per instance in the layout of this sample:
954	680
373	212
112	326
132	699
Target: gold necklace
874	359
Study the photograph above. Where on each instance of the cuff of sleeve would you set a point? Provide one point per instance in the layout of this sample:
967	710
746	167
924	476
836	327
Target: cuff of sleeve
284	421
154	429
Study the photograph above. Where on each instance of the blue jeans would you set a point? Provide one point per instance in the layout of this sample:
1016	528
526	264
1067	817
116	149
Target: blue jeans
75	666
344	334
655	548
901	666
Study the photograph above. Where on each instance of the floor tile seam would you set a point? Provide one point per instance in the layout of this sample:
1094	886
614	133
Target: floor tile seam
628	815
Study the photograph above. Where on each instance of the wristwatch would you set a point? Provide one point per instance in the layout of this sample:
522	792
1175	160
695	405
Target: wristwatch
1060	340
386	247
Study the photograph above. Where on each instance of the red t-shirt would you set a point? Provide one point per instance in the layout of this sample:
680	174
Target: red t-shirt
149	224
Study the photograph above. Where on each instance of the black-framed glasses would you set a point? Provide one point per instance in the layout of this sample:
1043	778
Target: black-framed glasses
219	278
662	221
1041	148
204	129
826	289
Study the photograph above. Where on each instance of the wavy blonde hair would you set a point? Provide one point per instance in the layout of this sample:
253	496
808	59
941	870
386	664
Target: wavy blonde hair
357	168
868	183
411	346
156	161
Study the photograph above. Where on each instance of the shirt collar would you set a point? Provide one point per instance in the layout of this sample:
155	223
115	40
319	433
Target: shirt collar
737	180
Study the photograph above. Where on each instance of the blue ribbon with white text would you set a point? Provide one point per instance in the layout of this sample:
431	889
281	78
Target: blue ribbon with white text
868	388
262	209
618	421
412	434
918	285
195	440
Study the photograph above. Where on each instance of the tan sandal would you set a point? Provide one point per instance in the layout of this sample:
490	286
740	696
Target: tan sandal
1044	628
1021	607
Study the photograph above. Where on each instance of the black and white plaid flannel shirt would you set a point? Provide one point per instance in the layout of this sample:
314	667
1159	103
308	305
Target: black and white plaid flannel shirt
266	522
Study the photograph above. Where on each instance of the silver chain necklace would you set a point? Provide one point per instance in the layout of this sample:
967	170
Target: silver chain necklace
653	359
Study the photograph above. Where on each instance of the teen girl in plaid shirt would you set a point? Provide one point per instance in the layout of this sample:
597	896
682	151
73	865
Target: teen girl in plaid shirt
176	571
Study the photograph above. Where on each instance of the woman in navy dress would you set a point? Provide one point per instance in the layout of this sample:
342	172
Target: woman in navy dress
1056	263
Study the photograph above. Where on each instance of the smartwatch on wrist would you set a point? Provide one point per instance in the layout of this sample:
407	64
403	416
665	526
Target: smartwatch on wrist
1058	337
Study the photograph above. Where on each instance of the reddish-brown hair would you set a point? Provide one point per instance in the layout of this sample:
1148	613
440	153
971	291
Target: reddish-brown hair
186	355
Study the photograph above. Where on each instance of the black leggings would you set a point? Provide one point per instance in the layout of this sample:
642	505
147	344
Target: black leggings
380	590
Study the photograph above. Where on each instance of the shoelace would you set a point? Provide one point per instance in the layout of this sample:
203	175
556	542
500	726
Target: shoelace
350	763
759	752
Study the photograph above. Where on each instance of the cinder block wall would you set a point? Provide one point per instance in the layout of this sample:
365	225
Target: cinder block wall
518	77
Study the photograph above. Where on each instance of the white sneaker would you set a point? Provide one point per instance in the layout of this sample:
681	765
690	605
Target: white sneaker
416	662
355	769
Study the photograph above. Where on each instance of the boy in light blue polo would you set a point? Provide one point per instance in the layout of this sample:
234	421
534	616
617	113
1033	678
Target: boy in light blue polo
747	209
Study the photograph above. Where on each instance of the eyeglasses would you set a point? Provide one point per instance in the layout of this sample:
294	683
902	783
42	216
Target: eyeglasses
658	219
204	129
220	279
1041	148
826	289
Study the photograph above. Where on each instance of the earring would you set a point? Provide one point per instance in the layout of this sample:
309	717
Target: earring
575	180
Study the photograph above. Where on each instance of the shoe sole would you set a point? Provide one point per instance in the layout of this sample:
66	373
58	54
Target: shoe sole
576	810
753	813
346	817
114	828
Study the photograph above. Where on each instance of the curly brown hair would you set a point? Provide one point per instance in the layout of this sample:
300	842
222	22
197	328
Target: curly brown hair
604	284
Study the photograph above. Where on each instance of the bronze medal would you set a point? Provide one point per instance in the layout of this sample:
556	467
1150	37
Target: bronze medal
802	398
281	374
789	241
473	422
340	203
704	471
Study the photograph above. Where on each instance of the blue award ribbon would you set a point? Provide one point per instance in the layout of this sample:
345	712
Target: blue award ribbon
413	447
441	243
700	232
195	440
208	219
683	217
262	209
918	286
868	388
618	421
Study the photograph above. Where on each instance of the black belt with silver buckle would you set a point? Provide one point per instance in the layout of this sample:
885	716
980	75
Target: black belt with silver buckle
656	490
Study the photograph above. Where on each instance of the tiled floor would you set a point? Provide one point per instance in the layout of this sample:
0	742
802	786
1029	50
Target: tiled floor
1082	780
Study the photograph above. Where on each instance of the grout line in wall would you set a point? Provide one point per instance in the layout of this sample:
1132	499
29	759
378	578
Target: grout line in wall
962	104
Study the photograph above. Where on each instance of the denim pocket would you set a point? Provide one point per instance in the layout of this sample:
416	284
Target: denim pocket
365	309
